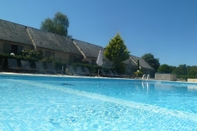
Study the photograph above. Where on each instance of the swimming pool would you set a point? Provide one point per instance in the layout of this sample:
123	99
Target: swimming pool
95	104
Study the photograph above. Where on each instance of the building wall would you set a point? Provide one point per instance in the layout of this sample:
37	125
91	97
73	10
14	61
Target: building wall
59	56
149	72
6	46
107	63
92	61
62	56
1	46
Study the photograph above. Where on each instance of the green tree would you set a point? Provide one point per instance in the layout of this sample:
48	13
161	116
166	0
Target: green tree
138	65
153	62
181	70
192	70
165	68
116	51
59	24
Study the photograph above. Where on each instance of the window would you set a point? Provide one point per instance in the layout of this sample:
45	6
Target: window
49	54
14	49
10	48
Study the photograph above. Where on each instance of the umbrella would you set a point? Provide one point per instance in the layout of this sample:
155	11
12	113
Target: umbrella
99	60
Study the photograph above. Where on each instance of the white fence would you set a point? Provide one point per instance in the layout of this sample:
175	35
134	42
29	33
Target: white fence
191	80
169	77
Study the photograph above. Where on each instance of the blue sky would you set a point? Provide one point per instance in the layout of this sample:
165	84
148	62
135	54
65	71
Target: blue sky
165	28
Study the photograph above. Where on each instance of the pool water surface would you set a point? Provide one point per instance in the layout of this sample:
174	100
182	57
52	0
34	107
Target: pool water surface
95	104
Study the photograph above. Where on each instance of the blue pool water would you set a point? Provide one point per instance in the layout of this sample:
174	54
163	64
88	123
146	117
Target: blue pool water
41	103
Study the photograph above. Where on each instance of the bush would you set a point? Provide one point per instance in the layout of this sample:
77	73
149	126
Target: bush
32	54
185	77
138	74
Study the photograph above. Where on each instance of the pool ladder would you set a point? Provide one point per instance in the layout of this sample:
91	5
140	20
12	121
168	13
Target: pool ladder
144	75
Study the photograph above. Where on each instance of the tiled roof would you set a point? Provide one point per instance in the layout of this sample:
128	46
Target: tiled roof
142	62
133	63
90	50
19	33
14	32
53	41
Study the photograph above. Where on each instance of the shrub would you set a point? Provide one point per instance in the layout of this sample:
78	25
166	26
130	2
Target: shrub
138	74
32	54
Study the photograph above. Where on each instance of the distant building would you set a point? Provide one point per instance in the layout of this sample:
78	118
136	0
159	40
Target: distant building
131	66
15	37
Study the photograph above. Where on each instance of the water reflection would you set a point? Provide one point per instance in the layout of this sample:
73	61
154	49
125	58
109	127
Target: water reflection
145	85
162	86
192	87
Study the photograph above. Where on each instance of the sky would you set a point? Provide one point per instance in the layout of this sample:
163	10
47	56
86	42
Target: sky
165	28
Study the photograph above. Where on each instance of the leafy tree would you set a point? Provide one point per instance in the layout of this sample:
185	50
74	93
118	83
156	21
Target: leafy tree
165	68
153	62
192	70
181	70
184	71
59	24
116	51
138	65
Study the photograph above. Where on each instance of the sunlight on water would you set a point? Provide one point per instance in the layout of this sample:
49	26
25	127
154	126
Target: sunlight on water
58	105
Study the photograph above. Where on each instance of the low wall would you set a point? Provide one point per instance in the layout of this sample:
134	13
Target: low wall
191	80
169	77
